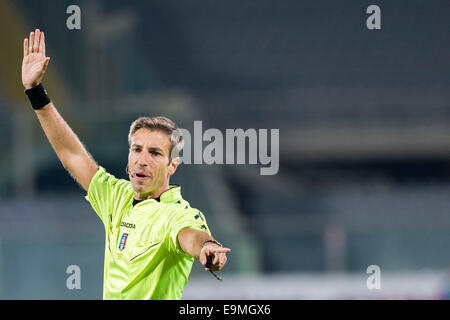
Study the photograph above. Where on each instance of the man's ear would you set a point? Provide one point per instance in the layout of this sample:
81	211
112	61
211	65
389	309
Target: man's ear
127	168
173	165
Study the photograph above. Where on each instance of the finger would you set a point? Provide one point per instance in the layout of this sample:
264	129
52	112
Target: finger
220	250
25	47
216	259
37	37
31	42
222	261
42	44
202	258
45	64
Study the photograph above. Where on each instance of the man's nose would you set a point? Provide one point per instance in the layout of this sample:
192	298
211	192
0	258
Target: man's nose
142	160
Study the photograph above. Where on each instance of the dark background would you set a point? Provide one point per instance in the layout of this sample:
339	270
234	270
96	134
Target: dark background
363	116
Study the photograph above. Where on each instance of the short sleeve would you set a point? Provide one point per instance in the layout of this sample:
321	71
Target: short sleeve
188	218
102	192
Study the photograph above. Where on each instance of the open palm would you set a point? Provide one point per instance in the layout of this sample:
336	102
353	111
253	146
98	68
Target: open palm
34	61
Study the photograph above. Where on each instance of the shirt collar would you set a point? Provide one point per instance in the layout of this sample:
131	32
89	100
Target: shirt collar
171	195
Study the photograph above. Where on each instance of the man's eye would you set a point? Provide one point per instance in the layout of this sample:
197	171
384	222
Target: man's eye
136	149
155	153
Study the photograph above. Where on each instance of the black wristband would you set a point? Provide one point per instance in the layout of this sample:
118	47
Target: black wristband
37	96
213	241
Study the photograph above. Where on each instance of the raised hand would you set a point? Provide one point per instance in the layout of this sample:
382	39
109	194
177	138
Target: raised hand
34	61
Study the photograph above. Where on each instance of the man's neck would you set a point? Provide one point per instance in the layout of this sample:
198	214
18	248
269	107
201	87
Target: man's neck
152	195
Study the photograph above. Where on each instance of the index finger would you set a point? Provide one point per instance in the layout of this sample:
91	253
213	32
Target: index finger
220	250
42	44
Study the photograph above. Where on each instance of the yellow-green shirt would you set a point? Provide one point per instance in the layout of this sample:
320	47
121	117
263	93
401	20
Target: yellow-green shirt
143	259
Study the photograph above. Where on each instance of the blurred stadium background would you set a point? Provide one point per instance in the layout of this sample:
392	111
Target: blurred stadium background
364	119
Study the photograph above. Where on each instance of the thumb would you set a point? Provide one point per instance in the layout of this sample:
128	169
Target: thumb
202	258
46	64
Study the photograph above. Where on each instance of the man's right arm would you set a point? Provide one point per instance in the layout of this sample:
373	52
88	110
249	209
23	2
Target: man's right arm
67	146
64	141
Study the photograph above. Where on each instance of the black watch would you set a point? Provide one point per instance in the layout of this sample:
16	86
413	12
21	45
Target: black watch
213	241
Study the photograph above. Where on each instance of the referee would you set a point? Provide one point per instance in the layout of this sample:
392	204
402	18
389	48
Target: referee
152	234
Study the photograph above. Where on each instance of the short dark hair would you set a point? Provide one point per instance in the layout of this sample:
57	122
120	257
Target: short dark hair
162	124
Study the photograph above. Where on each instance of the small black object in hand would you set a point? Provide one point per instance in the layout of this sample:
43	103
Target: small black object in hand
210	265
208	262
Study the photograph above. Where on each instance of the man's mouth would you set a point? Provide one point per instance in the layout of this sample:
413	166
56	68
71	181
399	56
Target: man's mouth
141	176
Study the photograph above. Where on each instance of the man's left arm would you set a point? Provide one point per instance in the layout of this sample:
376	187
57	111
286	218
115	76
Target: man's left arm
196	244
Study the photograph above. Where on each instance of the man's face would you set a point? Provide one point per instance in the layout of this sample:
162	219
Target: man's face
148	163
